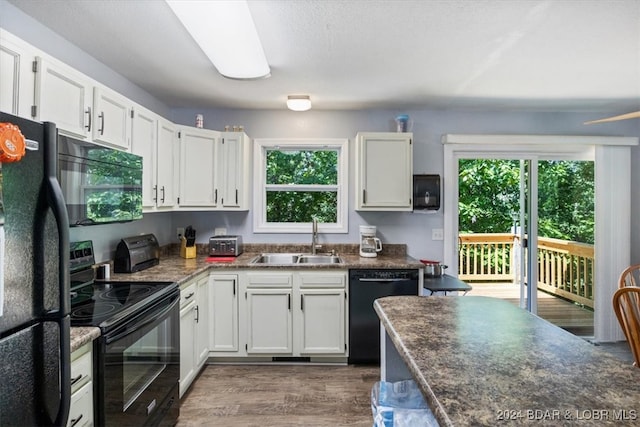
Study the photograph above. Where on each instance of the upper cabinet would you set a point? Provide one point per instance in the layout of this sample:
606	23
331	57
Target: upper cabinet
16	83
384	171
63	96
156	140
112	118
197	177
232	164
79	107
214	169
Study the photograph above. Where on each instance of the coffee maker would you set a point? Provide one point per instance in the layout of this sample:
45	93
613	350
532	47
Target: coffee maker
370	245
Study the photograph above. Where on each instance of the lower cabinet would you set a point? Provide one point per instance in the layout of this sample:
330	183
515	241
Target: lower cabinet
322	317
194	336
223	312
296	314
81	410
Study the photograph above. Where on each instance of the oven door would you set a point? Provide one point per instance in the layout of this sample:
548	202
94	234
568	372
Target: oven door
138	368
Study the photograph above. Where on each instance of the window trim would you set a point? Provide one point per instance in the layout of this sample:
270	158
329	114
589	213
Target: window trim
260	224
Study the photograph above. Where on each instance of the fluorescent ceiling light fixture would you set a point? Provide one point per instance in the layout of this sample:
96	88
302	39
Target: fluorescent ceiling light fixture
298	102
225	32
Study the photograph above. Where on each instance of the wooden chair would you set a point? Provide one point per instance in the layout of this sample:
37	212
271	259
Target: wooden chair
626	304
630	276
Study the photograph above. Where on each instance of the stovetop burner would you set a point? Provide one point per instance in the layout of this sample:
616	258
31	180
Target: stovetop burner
106	304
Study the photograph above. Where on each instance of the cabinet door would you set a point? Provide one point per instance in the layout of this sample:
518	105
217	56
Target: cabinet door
63	96
187	348
202	321
16	84
223	309
167	164
385	171
197	157
269	321
232	169
111	113
322	329
143	143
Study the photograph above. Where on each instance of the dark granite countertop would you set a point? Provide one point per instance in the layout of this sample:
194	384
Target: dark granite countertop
176	269
483	361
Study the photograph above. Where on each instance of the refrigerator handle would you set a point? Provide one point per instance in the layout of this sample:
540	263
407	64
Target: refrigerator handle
59	209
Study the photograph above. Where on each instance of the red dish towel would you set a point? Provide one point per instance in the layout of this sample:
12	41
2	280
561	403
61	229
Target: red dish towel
221	259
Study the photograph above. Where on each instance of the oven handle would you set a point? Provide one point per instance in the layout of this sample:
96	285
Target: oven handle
154	317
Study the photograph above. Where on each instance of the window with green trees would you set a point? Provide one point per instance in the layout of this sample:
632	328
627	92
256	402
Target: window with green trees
489	197
300	181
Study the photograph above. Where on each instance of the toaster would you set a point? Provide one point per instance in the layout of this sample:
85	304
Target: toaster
225	245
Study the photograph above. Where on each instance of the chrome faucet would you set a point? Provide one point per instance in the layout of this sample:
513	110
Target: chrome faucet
314	236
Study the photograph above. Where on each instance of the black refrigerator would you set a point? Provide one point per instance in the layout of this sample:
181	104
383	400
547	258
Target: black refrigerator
34	281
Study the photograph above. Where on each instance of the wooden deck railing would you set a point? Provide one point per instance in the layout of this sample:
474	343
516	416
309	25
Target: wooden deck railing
565	268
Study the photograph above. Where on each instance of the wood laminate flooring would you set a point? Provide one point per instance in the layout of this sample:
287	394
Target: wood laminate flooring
280	395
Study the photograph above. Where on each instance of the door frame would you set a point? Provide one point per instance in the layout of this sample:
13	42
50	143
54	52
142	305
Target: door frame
612	157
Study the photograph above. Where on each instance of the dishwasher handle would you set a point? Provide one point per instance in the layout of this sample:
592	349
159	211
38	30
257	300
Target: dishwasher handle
399	279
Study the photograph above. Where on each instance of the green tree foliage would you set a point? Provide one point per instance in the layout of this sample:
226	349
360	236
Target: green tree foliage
313	169
489	197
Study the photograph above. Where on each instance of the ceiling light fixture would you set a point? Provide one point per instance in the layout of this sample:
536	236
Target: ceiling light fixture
299	102
225	32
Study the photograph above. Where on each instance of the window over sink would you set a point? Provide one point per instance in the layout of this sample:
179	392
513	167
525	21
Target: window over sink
297	180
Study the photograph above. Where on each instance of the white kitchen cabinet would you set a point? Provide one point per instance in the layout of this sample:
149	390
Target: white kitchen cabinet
156	140
233	171
223	312
168	165
187	336
16	69
63	96
269	313
197	172
81	409
384	171
321	319
112	118
194	334
144	143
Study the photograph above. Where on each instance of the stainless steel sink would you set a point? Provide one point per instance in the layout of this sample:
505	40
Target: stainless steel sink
290	259
276	258
319	259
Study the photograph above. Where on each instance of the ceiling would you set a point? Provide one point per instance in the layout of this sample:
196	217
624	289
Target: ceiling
547	55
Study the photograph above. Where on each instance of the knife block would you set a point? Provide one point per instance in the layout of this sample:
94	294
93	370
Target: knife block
187	251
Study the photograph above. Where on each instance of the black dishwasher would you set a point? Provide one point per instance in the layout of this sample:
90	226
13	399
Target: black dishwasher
365	286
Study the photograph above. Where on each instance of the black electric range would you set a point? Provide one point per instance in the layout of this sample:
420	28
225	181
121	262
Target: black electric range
108	304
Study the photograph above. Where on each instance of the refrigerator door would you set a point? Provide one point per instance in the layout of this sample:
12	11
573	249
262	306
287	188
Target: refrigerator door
34	325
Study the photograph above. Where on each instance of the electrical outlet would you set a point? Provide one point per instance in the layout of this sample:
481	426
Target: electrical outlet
180	232
437	234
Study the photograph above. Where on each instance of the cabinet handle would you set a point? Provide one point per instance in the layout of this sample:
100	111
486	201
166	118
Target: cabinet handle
234	287
364	196
236	196
302	302
101	116
197	308
75	421
189	296
289	301
88	126
76	379
215	196
162	189
155	193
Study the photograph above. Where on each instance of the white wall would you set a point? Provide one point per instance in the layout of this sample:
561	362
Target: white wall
414	229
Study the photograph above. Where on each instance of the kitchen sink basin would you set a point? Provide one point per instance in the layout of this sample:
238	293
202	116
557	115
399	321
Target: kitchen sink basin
319	259
291	259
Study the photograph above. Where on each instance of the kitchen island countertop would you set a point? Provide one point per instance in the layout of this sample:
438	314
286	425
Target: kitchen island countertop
483	361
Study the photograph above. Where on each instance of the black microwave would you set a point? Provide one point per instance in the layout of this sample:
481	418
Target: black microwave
100	185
